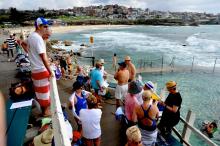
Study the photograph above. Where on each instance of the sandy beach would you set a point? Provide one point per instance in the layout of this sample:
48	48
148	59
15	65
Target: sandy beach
64	29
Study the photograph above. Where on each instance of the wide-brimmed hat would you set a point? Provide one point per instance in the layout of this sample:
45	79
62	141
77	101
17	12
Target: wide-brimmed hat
171	84
44	139
123	64
127	58
134	87
149	85
102	61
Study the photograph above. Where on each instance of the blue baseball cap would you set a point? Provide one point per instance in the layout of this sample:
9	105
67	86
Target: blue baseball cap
123	64
40	21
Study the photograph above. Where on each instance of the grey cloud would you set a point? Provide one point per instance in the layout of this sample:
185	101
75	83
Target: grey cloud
171	5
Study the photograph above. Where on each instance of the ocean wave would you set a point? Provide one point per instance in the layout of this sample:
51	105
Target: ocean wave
143	42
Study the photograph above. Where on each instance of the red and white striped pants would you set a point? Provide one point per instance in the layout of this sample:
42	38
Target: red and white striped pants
41	86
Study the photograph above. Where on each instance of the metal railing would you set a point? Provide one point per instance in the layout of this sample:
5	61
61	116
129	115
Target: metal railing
60	134
188	128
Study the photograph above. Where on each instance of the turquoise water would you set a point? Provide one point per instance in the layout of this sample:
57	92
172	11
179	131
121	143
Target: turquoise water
200	90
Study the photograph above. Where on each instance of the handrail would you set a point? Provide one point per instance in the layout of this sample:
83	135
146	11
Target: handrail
198	133
60	135
180	137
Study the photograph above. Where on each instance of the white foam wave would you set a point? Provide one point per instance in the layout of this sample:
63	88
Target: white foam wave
142	42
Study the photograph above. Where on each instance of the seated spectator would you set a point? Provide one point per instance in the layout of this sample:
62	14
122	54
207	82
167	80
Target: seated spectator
133	136
131	101
146	115
63	66
79	71
4	47
90	119
78	101
70	67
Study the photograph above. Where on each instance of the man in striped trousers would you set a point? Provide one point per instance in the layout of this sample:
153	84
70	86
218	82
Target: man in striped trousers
41	72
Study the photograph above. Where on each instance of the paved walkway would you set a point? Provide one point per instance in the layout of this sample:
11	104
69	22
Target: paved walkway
110	127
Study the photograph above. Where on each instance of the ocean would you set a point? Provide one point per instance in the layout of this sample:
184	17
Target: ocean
200	89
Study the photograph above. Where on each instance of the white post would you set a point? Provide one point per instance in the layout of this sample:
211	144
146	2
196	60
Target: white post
190	119
60	134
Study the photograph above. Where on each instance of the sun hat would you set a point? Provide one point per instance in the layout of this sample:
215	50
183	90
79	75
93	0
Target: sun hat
133	134
127	58
171	84
40	21
101	61
134	87
146	95
123	64
149	85
44	139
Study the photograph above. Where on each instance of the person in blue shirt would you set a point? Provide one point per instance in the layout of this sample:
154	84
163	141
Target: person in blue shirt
97	78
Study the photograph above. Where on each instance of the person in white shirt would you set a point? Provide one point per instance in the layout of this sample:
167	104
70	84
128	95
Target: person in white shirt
40	67
90	118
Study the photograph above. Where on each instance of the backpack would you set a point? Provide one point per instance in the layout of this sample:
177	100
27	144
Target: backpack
21	91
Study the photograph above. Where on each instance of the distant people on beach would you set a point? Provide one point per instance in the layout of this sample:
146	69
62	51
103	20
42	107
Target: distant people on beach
131	68
11	46
133	136
122	76
114	61
146	116
171	113
41	71
90	118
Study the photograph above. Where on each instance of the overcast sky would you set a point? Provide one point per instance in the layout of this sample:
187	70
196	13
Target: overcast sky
211	6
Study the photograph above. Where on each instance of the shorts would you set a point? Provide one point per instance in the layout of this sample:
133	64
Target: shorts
121	91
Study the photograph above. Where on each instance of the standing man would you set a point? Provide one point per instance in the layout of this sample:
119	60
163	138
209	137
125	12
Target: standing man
122	76
11	46
131	68
39	64
97	79
171	113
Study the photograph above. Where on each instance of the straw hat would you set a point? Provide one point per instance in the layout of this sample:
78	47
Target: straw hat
133	134
146	95
134	87
127	58
44	139
171	84
101	61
